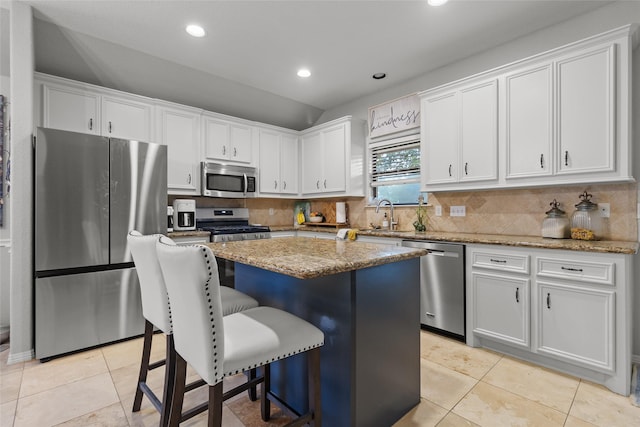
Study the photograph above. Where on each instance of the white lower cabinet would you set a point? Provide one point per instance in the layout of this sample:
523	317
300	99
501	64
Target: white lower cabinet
501	308
566	310
577	324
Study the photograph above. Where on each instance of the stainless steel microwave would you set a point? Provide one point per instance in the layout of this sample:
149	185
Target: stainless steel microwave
230	181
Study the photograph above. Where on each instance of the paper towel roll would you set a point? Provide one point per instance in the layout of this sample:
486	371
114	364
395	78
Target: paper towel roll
341	212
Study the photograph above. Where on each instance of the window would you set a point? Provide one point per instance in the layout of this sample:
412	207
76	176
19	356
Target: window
395	170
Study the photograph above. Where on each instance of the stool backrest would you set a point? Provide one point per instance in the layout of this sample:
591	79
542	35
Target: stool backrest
155	302
191	276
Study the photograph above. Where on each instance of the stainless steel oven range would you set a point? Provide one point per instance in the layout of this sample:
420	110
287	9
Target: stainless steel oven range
228	225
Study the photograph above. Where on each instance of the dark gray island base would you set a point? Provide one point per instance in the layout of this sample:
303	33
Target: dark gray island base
370	363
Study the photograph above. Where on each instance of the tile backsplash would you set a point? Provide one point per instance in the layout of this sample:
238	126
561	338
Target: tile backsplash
509	212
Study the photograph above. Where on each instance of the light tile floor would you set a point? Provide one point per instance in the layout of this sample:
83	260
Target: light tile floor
461	386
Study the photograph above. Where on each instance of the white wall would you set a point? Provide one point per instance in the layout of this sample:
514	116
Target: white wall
5	241
603	19
21	284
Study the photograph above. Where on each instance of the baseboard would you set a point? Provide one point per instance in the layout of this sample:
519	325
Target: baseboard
635	359
25	356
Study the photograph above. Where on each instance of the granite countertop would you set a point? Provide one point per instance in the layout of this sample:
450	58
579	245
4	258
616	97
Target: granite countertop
194	233
601	246
307	258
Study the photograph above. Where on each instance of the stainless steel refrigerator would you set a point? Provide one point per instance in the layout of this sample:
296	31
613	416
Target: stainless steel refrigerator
89	192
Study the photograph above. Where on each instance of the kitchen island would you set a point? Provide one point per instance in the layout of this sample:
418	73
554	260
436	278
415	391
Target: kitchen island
365	298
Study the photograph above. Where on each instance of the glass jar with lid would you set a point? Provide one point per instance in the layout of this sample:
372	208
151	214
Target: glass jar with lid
586	222
556	223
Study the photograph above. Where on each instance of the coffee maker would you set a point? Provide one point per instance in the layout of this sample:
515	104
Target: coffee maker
184	215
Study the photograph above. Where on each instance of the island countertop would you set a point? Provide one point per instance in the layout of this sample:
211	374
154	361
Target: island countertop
307	258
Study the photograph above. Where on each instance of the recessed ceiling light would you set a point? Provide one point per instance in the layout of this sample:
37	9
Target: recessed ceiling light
303	72
436	2
379	76
195	30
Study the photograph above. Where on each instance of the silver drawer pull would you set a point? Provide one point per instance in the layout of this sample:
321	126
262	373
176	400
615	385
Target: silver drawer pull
500	261
518	295
571	269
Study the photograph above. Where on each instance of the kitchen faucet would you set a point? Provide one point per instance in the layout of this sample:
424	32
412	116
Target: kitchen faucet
392	222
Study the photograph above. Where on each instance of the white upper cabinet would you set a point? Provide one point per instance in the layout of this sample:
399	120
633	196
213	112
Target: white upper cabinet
69	108
586	111
332	159
528	121
179	130
460	136
560	117
126	117
84	108
227	140
278	172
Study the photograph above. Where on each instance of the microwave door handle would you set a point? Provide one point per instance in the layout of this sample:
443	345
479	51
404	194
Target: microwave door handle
246	183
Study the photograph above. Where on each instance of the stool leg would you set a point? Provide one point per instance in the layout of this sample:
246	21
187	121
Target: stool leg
253	395
265	387
215	405
177	396
313	373
144	364
169	381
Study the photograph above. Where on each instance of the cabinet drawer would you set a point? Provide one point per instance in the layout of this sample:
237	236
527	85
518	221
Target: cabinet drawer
501	261
585	271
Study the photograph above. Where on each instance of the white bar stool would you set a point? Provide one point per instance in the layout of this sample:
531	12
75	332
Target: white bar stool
218	346
157	314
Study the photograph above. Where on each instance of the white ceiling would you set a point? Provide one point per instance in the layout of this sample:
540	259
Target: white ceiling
259	45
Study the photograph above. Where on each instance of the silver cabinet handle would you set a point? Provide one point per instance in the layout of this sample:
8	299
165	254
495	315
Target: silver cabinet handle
571	269
449	170
224	150
325	183
548	300
90	124
566	158
109	126
235	151
517	295
541	161
499	261
189	179
275	184
284	185
466	167
317	184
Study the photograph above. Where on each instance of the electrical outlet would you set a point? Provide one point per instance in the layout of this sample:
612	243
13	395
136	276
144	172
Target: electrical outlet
438	210
271	211
605	210
457	211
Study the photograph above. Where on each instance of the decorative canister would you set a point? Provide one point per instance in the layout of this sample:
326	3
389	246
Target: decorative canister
586	222
556	224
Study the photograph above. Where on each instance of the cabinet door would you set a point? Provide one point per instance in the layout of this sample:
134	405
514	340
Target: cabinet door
440	139
586	111
126	118
479	132
528	125
240	143
577	324
334	173
501	308
288	164
180	131
216	140
70	109
269	162
312	155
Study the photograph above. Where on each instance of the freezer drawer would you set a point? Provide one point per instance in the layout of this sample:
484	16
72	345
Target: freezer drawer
77	311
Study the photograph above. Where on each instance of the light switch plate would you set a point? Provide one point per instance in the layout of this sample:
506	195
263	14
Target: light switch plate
605	210
438	210
457	211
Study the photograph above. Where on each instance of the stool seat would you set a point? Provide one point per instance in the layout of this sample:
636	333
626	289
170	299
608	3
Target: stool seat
235	301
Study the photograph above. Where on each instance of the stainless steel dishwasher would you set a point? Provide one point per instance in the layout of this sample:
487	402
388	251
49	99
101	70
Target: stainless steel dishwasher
442	289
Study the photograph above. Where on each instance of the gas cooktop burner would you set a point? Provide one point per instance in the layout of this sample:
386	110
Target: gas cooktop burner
229	224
